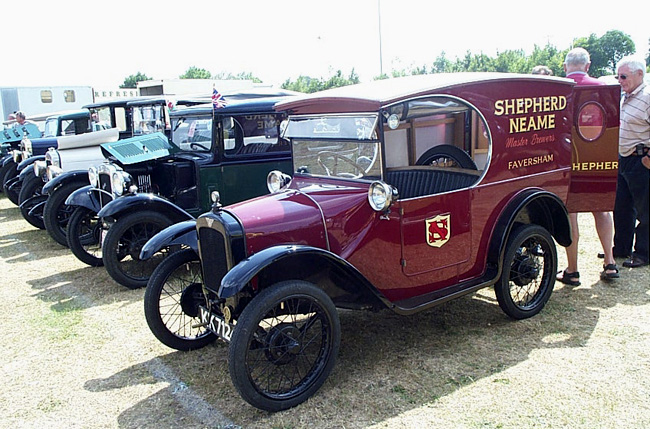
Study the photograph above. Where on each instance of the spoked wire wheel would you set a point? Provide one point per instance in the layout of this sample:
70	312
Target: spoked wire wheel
528	273
172	299
123	243
84	235
284	345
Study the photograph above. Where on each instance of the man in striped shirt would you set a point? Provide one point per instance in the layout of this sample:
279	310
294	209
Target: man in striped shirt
633	185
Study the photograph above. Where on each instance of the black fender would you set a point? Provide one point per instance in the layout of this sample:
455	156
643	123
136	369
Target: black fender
29	161
14	181
79	176
7	159
137	202
532	206
38	204
182	233
348	287
88	197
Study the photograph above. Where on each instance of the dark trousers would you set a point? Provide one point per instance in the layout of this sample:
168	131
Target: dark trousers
632	189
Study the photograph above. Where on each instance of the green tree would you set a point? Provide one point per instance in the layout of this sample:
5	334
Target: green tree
132	80
196	73
615	45
308	84
238	76
441	64
303	84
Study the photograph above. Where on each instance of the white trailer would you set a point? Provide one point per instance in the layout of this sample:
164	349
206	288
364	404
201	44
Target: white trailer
35	100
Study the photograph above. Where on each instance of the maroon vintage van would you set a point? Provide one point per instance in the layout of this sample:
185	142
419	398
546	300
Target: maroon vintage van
404	193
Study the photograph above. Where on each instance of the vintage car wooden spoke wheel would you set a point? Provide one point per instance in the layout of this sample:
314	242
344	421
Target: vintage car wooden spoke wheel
83	235
284	345
528	274
171	302
124	240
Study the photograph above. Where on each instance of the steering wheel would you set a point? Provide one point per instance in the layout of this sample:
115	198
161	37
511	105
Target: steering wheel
337	156
195	145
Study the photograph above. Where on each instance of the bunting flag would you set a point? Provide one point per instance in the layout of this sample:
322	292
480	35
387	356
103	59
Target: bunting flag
218	101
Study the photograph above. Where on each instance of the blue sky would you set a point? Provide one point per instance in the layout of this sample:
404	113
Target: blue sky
72	43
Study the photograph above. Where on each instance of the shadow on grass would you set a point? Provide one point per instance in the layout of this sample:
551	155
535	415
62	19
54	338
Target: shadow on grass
389	364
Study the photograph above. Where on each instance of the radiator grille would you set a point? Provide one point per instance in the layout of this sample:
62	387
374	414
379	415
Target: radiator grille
213	251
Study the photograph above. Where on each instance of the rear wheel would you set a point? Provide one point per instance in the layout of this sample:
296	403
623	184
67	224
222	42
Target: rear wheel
83	235
528	273
56	213
122	245
31	187
171	302
284	345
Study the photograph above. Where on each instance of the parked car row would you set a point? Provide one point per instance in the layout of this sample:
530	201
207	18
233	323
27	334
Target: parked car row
253	223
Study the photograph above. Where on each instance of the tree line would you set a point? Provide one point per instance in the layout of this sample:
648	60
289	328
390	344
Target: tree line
605	52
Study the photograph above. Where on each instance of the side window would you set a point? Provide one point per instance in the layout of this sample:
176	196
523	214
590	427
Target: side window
120	119
67	127
249	135
192	133
101	118
438	141
46	96
437	131
69	96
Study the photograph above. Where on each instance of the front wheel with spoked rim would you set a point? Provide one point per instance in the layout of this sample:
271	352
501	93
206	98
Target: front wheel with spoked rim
123	243
528	273
84	235
284	345
172	299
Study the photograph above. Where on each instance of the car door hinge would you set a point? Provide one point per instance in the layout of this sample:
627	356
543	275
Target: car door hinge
403	262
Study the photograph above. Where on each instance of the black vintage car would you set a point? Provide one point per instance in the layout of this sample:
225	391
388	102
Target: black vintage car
133	117
159	182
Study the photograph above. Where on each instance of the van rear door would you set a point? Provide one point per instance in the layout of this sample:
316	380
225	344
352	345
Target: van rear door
594	148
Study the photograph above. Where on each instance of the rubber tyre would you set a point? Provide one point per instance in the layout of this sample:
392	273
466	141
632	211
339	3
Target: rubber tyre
83	235
31	186
171	302
56	213
261	355
7	171
10	171
528	273
122	245
446	155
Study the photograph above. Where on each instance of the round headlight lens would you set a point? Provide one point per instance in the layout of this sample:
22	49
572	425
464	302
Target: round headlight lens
52	172
93	177
52	157
39	168
277	180
117	183
380	196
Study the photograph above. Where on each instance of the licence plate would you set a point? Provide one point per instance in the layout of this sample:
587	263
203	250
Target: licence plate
216	324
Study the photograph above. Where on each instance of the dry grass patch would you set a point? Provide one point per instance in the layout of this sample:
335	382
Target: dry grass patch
76	352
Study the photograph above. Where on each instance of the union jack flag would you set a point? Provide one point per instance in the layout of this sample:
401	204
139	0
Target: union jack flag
218	101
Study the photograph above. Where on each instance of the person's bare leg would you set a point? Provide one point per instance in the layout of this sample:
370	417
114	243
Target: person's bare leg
605	230
572	250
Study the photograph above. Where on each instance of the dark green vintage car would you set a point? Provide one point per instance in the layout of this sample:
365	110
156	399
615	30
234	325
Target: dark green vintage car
148	183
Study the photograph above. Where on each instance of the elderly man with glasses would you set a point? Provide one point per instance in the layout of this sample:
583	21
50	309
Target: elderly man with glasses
633	185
